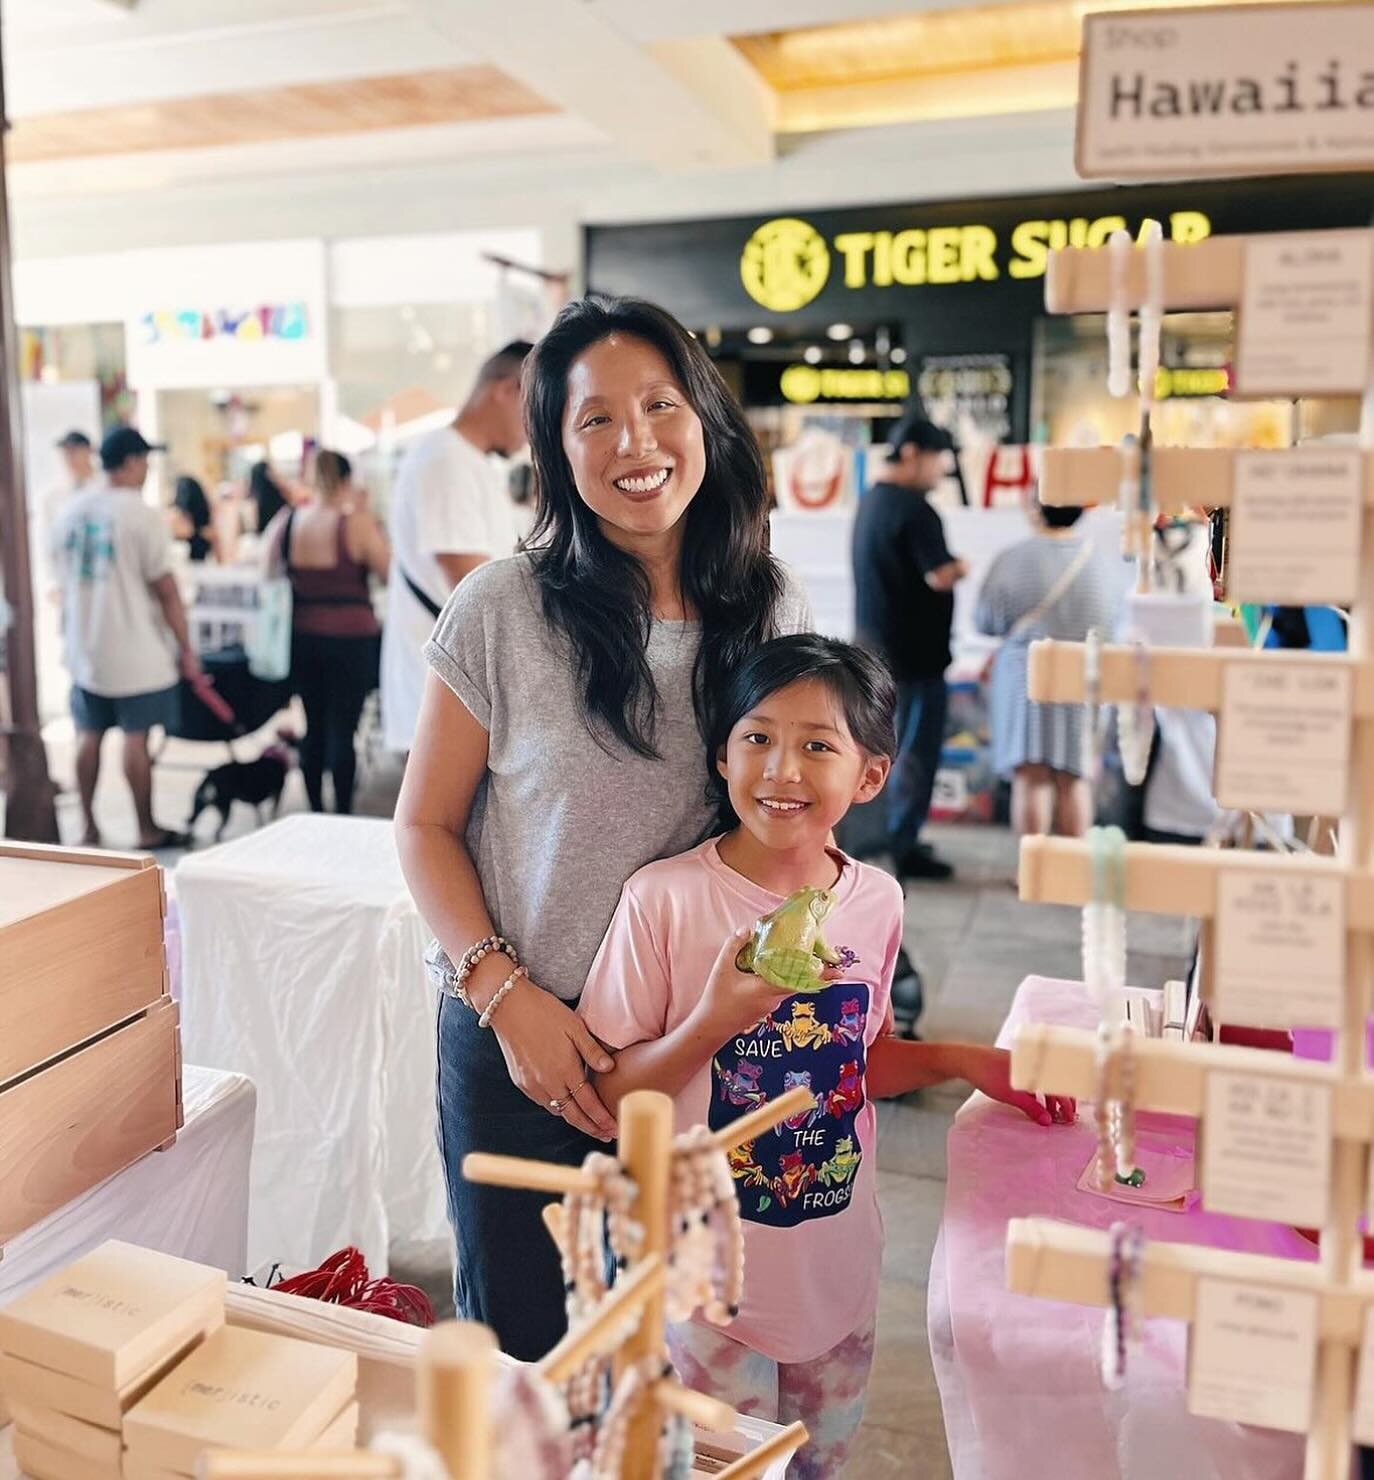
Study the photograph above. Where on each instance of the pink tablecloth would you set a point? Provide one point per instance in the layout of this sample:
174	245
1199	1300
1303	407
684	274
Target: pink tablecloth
1018	1377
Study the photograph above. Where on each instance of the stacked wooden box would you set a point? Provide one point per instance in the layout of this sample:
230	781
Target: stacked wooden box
90	1055
80	1350
243	1390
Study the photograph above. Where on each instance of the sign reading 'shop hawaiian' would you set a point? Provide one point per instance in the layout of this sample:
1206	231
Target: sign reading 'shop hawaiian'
1241	90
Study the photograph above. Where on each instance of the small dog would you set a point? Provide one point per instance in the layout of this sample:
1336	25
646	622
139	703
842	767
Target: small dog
254	782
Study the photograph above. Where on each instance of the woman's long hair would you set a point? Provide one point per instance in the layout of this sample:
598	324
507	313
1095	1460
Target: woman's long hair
267	498
332	472
599	595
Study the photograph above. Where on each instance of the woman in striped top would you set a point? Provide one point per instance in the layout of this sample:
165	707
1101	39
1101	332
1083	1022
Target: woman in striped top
1053	584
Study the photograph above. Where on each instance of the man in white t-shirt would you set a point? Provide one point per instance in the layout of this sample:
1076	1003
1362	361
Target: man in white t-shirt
451	511
123	625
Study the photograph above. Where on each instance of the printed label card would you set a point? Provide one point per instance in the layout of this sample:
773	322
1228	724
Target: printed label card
1295	527
1306	314
1266	1148
1283	737
1252	1355
1280	960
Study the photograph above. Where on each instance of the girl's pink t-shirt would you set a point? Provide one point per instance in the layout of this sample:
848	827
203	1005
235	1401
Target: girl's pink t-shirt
807	1190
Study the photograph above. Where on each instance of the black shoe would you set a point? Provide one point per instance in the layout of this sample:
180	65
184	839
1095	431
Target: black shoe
908	996
922	862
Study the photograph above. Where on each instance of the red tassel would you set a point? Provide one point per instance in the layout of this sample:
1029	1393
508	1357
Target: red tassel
343	1280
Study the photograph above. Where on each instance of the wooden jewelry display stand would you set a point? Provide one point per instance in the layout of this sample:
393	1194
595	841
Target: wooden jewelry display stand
1064	1262
459	1361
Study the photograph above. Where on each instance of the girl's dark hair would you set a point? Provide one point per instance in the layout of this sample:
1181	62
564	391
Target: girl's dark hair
599	595
332	471
266	495
1061	516
858	680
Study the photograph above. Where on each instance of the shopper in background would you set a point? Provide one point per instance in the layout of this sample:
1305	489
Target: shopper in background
559	749
451	511
904	579
192	520
79	473
328	548
123	624
1051	585
266	495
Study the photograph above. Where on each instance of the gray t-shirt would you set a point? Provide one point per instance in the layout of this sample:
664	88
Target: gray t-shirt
559	823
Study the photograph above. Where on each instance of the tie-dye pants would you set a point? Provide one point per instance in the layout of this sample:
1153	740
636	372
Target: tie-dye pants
827	1394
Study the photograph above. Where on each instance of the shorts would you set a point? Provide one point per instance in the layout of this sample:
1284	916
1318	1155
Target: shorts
131	713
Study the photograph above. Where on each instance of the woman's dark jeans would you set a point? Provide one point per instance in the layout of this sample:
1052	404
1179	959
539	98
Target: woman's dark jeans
508	1271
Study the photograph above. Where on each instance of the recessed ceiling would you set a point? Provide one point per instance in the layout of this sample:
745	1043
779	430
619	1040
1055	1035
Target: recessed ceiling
934	63
265	115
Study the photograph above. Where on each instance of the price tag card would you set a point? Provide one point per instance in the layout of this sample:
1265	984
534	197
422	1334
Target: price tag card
1283	739
1266	1148
1295	527
1280	960
1306	312
1252	1355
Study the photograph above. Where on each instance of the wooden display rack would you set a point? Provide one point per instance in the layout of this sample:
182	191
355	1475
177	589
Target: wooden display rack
90	1052
1064	1262
458	1359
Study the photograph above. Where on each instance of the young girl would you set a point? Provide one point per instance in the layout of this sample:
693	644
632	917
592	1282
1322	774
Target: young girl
804	731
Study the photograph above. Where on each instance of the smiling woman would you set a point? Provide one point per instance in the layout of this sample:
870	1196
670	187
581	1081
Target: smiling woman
560	748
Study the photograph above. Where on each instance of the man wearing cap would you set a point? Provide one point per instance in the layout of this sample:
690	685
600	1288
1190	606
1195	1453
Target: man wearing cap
123	625
904	579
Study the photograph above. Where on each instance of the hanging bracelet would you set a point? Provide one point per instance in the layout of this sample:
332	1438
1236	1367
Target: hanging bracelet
502	992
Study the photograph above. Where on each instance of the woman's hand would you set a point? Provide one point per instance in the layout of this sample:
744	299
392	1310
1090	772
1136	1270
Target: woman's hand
735	1000
989	1069
550	1053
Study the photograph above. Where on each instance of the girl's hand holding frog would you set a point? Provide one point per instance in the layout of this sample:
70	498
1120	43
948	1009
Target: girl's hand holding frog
735	1000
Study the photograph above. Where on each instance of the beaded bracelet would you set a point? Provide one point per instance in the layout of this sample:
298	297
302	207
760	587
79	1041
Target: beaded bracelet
493	944
502	992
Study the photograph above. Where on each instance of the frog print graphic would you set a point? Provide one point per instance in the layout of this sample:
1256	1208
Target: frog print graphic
806	1167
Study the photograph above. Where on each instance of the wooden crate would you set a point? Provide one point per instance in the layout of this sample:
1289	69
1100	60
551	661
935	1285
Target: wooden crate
81	943
90	1050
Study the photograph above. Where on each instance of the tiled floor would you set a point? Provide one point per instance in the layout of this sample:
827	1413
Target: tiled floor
974	942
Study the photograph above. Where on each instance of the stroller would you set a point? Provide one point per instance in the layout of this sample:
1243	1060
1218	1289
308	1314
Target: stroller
231	705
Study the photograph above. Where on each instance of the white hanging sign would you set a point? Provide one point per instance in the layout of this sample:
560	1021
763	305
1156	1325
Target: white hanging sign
1294	534
1306	315
1241	90
1252	1355
1283	736
1266	1148
1280	954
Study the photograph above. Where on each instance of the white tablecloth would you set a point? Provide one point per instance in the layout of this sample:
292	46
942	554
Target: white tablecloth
190	1200
302	966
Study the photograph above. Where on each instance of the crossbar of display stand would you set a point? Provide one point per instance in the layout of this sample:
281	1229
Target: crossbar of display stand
1205	274
1063	1261
1171	1075
1175	879
1180	678
1180	477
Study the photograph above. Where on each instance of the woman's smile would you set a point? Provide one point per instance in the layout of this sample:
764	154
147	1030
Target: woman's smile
643	485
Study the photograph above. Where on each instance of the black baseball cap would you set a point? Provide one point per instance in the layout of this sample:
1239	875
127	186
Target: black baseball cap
122	444
920	432
74	440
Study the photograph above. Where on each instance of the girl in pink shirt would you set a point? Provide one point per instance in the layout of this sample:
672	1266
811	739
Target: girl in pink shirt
804	732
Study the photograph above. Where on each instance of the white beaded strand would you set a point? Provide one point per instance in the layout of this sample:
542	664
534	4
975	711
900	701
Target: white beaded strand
1151	315
1135	723
1119	316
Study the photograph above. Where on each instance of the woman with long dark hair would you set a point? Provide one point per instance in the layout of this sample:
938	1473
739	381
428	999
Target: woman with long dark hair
329	549
559	749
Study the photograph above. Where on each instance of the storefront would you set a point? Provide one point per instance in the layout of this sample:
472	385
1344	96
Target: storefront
849	313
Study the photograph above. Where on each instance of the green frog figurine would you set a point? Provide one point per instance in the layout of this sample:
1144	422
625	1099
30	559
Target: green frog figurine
787	948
